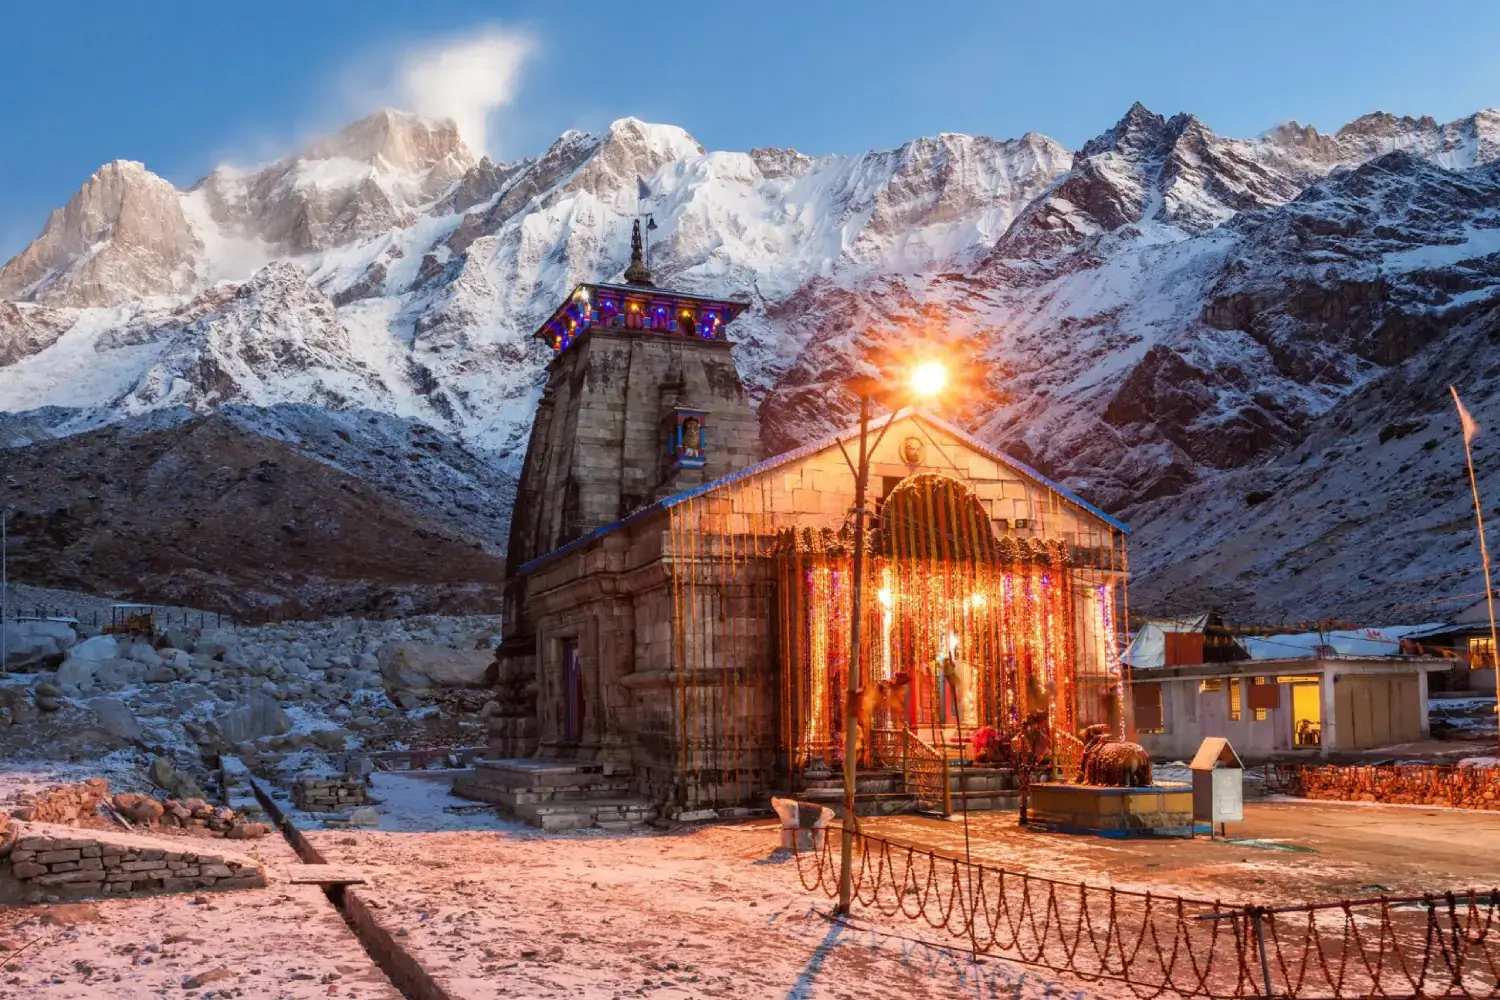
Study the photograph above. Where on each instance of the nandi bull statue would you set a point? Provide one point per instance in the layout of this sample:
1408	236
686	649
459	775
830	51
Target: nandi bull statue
1107	759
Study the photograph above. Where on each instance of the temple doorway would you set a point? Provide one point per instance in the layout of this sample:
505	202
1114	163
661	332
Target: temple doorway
983	626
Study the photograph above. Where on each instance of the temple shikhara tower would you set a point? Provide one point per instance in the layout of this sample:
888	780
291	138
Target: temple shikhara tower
678	616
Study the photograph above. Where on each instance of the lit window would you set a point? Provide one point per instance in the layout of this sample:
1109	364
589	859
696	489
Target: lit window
1234	701
1211	685
1481	652
1260	713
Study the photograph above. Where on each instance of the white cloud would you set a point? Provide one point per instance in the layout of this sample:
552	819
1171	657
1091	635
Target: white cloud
467	77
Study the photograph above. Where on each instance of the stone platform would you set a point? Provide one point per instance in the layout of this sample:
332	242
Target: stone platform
556	794
880	792
1153	811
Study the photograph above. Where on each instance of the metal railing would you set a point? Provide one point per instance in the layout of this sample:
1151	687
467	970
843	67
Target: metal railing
1433	945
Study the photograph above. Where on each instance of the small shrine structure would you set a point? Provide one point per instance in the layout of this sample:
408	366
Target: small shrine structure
677	623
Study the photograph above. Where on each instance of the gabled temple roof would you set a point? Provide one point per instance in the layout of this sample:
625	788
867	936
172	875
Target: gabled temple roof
797	454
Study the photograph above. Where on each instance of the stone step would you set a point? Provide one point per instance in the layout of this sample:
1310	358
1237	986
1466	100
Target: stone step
611	814
528	773
603	789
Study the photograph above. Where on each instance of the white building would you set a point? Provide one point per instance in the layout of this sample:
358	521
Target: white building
1314	705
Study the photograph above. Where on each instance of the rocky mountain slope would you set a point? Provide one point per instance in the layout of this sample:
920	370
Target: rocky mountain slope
205	512
1165	312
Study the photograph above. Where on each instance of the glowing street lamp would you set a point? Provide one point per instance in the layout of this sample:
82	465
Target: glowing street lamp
927	379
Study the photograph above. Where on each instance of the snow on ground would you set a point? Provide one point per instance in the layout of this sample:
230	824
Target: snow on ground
284	941
707	914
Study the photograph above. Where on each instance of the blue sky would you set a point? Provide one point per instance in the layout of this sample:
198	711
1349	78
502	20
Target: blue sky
182	86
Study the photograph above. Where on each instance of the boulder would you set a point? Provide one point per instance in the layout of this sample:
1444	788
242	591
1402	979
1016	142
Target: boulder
175	658
116	718
138	808
144	652
420	667
256	716
114	673
164	776
31	642
160	674
83	660
365	816
216	643
242	830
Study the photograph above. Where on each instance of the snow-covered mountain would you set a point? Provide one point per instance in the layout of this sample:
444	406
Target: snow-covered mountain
1162	309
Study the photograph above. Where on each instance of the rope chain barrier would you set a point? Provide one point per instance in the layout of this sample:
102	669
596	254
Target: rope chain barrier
1438	945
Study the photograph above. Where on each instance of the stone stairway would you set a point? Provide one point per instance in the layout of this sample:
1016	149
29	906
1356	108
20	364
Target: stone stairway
556	795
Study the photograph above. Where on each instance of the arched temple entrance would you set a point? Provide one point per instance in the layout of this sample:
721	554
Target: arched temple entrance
941	586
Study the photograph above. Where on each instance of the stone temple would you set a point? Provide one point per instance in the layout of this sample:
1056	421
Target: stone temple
678	607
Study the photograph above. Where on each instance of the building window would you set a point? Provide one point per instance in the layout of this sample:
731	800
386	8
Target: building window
1204	687
1234	700
1481	652
1149	717
1260	713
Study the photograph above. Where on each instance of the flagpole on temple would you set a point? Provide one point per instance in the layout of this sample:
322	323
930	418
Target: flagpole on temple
1470	428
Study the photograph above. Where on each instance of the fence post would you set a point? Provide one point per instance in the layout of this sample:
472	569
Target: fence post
947	792
1259	916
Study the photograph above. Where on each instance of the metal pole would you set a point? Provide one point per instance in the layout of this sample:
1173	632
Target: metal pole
4	589
861	478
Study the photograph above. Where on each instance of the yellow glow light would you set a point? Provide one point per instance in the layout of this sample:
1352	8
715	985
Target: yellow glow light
929	378
885	597
977	600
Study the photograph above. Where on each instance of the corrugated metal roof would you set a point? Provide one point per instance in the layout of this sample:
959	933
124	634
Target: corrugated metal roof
806	451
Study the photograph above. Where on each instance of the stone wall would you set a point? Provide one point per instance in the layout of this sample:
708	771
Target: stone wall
329	792
46	859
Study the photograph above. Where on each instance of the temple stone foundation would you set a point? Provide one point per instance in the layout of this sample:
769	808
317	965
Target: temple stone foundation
1154	811
557	795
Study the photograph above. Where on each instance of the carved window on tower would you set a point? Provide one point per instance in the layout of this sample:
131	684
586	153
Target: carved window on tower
687	439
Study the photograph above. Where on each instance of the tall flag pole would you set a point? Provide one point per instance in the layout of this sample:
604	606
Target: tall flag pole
1471	428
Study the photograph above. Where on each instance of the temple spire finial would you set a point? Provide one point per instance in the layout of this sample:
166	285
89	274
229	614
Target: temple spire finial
636	273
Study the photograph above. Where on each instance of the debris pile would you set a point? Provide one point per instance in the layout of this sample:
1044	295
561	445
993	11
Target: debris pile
66	804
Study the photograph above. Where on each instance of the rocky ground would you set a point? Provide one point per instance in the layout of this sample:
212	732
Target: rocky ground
207	513
284	698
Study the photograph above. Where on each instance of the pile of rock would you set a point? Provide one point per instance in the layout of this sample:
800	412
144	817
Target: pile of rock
62	803
322	793
226	689
74	862
192	814
1401	784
